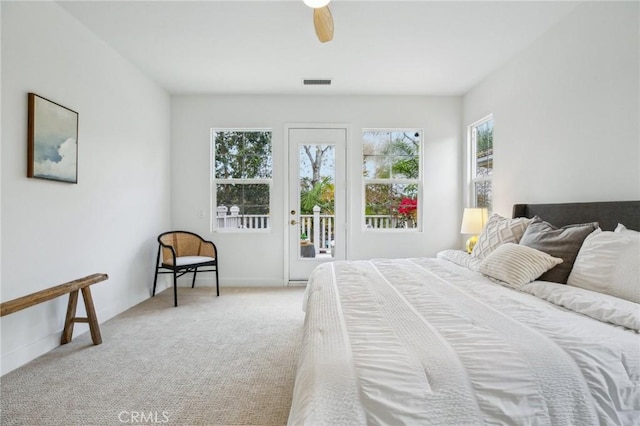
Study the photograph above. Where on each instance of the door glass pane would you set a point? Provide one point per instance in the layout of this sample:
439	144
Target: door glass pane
317	200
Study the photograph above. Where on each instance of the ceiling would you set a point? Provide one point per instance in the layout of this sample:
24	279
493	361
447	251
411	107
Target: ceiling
268	47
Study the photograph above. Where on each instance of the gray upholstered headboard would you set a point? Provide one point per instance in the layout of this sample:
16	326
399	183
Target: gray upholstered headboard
607	213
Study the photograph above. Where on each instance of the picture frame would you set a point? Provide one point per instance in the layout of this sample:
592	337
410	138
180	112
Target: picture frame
52	145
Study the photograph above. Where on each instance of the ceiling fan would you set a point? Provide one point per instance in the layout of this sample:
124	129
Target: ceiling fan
322	19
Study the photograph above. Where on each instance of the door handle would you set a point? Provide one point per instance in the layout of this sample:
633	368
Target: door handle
293	222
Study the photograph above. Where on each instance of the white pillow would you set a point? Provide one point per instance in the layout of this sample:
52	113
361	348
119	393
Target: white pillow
622	228
517	265
499	230
460	258
609	263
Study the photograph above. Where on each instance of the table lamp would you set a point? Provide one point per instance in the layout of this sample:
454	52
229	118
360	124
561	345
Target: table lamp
473	221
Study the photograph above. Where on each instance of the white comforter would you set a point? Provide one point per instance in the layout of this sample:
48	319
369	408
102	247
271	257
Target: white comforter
425	342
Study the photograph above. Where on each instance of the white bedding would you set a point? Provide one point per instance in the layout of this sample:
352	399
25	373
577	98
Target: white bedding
423	341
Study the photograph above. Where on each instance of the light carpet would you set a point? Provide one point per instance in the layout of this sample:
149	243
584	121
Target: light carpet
227	360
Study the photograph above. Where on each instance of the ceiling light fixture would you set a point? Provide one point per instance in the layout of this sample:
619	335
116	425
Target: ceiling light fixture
315	4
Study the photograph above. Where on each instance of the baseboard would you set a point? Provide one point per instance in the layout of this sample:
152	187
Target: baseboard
21	356
224	282
28	353
252	282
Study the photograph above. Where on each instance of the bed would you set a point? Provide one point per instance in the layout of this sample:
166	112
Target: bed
442	341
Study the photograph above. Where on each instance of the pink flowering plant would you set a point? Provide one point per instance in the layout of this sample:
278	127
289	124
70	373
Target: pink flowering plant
408	210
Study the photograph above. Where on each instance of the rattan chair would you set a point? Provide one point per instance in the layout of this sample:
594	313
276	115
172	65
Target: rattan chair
181	252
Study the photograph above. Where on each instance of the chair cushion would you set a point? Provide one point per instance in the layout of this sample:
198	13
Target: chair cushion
192	260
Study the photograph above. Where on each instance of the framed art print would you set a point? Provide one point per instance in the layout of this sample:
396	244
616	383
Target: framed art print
52	141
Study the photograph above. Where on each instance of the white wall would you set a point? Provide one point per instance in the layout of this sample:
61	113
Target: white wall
257	259
55	232
567	129
566	111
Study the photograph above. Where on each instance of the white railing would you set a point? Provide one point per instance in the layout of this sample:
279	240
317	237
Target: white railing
378	221
319	228
230	218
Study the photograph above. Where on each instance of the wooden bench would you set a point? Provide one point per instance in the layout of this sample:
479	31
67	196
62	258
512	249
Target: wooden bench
71	288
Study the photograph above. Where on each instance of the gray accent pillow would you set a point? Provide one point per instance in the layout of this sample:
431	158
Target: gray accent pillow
563	243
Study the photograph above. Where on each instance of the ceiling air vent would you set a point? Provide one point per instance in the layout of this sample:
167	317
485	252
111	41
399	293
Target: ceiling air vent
316	82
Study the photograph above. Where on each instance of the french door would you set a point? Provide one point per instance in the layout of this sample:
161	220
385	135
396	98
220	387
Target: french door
317	200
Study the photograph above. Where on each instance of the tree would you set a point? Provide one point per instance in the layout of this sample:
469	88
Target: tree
484	164
316	157
395	155
404	151
484	138
316	189
243	155
321	194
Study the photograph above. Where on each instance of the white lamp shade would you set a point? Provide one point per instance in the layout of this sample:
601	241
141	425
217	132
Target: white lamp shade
473	221
316	3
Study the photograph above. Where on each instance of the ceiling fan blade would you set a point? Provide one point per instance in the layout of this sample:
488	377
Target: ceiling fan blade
323	23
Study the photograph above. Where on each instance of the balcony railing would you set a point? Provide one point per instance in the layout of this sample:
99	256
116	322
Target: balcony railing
231	218
318	228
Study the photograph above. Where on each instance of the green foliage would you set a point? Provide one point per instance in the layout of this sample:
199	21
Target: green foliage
404	154
390	155
321	194
395	155
316	189
250	198
484	139
242	155
384	199
484	164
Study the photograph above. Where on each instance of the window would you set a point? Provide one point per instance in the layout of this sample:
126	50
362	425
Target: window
242	169
481	167
391	171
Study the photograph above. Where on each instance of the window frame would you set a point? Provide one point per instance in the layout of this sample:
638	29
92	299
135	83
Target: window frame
214	181
472	178
393	181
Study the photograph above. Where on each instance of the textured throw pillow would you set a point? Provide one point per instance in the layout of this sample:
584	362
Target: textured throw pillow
563	243
609	263
499	230
517	265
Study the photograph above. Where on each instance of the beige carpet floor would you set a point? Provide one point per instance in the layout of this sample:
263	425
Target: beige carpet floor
227	360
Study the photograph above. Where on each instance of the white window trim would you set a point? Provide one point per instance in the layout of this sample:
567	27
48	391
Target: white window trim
419	228
213	182
471	178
